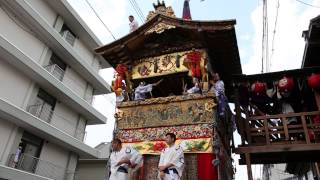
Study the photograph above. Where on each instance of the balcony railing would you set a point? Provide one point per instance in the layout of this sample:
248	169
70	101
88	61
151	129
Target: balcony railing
56	71
37	166
46	114
41	111
276	129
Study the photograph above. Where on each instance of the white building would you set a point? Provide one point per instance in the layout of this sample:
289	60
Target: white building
97	169
48	77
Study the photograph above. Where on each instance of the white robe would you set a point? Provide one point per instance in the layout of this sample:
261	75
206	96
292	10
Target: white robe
193	90
141	91
175	156
125	152
133	25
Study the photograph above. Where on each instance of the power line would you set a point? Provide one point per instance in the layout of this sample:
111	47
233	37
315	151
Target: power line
141	13
274	30
137	9
95	12
302	2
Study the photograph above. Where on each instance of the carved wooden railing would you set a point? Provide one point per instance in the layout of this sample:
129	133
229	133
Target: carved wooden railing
275	129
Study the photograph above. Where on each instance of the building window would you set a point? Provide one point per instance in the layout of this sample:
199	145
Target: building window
26	156
56	67
67	34
43	106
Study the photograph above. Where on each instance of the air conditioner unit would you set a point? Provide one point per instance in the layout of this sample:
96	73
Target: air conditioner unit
69	37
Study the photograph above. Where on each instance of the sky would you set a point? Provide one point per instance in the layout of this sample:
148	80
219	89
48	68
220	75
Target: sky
286	45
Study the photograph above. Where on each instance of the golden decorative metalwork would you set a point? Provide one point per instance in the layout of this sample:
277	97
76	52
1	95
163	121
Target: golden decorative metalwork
164	65
173	112
160	28
167	11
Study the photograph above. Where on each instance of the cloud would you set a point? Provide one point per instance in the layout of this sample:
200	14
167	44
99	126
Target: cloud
293	18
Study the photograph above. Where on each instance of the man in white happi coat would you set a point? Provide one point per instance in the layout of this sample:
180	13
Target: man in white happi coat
171	162
123	158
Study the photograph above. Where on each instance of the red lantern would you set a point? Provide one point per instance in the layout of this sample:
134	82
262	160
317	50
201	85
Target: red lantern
193	60
314	81
121	69
258	88
316	119
311	134
285	84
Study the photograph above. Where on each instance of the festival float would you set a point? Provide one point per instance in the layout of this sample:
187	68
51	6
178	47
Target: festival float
170	55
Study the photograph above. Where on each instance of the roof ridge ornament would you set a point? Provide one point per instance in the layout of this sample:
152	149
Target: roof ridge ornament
161	8
159	4
186	14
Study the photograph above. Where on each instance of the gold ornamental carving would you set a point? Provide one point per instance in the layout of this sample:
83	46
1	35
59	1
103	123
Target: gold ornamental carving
167	11
193	111
163	65
160	28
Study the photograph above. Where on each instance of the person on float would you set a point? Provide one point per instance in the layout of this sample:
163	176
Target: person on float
195	89
218	88
133	23
171	162
141	91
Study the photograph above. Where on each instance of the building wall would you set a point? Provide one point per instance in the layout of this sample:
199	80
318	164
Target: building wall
96	63
83	51
17	34
64	119
54	154
6	130
21	91
80	132
75	82
14	85
96	171
104	148
44	10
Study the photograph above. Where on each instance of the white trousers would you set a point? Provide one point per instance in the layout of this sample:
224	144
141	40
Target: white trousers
119	176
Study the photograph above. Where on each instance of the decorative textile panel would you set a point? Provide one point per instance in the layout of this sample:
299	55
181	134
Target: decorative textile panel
157	134
200	145
167	112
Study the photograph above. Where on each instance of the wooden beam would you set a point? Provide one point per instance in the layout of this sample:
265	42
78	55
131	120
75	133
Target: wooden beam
287	115
266	129
249	170
278	148
317	172
247	130
317	97
281	157
285	128
305	129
